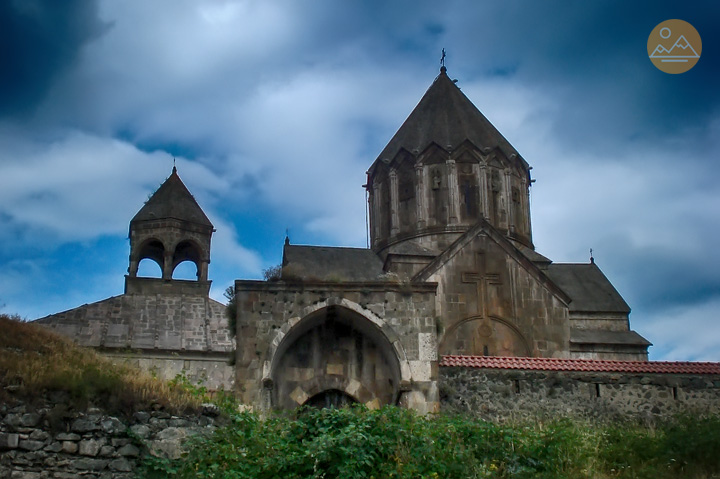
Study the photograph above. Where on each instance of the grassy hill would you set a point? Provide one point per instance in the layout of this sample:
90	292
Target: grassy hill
36	365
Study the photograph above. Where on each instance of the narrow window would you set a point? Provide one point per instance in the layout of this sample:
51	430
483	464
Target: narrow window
517	386
675	392
597	390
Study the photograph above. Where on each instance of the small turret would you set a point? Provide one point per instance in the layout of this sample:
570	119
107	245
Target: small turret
169	229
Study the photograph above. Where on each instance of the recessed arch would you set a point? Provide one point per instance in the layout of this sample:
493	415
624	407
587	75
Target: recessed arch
478	336
331	399
334	347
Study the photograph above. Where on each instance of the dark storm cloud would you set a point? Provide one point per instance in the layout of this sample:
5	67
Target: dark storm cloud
38	41
591	58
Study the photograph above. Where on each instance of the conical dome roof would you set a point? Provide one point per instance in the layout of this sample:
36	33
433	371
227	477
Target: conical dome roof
172	200
447	117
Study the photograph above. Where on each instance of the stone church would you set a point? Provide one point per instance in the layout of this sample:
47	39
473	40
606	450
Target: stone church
452	271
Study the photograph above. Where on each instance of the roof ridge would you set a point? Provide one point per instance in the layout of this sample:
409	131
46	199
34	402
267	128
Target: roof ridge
578	364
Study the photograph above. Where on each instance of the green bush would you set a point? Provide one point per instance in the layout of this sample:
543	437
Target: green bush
397	443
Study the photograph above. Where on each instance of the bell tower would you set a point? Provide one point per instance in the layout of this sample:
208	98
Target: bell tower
169	229
445	169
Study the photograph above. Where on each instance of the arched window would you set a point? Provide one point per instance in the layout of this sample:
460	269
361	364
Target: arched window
186	261
151	251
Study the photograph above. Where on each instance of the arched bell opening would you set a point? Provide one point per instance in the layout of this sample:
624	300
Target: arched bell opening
149	268
186	270
150	253
335	349
186	255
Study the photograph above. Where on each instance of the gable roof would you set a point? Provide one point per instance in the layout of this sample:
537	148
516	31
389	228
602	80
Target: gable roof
602	336
328	263
588	287
483	226
446	117
594	365
172	200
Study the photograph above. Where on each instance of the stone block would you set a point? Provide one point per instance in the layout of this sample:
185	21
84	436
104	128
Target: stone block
90	447
30	419
140	430
85	425
87	464
420	370
129	450
120	464
54	447
69	447
30	445
9	440
427	347
25	475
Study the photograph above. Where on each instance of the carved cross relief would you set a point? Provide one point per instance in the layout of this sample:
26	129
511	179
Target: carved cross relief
483	340
482	278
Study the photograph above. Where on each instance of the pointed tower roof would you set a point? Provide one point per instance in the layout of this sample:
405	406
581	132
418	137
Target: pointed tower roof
447	117
172	200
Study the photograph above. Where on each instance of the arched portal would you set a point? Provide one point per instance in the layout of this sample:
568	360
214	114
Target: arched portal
331	399
335	349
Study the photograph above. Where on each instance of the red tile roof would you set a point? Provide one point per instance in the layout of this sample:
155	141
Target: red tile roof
590	365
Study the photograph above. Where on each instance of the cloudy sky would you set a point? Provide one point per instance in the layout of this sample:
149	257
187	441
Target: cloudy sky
274	110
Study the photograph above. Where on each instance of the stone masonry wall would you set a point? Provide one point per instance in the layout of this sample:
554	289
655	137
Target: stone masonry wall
267	311
47	442
514	394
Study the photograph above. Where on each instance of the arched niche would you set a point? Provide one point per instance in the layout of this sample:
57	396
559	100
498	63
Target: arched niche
485	337
334	348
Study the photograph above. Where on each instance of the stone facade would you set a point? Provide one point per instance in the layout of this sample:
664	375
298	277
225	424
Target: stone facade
373	342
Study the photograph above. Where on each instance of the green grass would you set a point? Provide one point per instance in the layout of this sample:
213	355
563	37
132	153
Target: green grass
36	364
397	443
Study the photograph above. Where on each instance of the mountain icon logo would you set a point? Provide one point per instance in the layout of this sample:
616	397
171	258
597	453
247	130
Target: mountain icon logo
674	46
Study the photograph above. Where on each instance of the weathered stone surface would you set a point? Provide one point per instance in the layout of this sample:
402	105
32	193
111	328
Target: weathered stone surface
70	447
128	450
9	440
30	445
121	464
111	425
30	419
90	447
168	442
87	464
85	425
54	447
140	430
